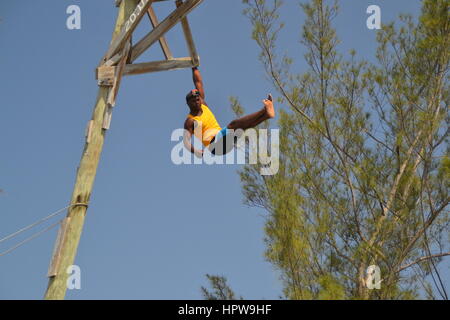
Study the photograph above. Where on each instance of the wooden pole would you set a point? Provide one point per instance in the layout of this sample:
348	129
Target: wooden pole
67	243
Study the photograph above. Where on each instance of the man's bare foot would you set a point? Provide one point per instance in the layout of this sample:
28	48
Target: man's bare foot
268	105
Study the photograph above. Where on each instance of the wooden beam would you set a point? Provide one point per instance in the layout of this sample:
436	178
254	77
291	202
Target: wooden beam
156	66
130	24
163	27
105	75
189	38
162	40
88	133
118	75
56	256
85	177
106	124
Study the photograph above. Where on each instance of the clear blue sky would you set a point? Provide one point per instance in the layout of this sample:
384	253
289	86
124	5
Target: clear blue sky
153	229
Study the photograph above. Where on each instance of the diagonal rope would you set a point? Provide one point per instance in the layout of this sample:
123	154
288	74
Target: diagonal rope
30	238
40	221
34	224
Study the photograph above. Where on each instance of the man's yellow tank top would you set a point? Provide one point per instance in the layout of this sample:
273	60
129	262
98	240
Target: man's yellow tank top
209	124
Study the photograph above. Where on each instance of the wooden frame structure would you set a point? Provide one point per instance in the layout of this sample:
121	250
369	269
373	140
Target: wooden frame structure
117	62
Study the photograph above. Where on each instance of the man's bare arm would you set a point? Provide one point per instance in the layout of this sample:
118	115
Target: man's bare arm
198	81
188	132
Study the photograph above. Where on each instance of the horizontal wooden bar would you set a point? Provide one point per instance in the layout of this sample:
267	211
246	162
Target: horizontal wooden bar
105	72
156	66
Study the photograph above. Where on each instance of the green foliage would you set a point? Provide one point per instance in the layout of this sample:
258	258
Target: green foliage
364	172
220	289
330	288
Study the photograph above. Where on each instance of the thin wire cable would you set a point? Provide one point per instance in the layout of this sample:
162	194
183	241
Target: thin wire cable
34	224
40	221
30	238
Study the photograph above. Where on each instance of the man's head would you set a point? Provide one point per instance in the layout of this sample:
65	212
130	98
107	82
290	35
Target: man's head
193	99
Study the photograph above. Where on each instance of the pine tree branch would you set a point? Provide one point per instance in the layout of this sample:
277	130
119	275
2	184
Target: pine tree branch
399	175
432	216
422	259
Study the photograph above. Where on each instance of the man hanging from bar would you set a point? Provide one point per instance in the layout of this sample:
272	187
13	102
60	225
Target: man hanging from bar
202	123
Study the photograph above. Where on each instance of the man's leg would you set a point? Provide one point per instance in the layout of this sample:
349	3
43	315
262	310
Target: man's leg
252	120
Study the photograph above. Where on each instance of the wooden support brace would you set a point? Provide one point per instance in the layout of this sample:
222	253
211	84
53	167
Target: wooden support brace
189	38
88	131
107	117
155	66
112	93
158	31
163	27
118	75
52	270
125	33
105	75
162	40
